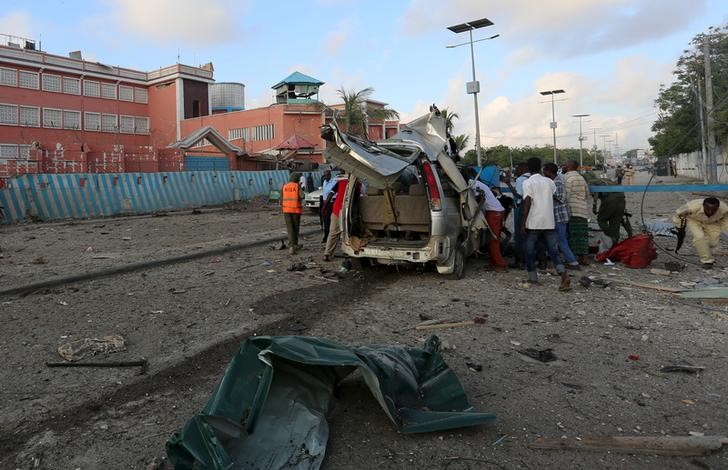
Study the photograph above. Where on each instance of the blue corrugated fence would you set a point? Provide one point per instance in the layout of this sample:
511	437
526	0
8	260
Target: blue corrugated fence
84	195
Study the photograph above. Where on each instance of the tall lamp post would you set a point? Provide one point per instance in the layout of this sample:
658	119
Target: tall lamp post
581	139
553	113
473	87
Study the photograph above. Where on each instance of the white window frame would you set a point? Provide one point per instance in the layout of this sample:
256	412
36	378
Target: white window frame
137	127
23	152
104	121
29	73
47	79
78	120
108	87
50	125
6	73
130	121
67	80
8	152
26	123
85	121
8	107
123	89
141	95
92	83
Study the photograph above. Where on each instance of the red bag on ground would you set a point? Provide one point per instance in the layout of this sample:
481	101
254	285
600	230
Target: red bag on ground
635	252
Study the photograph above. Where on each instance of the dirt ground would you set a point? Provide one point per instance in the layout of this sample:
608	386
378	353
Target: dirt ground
188	319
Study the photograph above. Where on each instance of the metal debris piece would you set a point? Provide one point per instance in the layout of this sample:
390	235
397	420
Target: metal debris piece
81	348
542	355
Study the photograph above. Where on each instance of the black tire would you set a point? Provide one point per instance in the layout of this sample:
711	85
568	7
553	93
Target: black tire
458	271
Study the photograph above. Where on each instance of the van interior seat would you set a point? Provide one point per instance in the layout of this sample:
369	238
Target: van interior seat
412	211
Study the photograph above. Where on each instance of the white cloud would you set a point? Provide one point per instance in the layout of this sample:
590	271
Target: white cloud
560	28
187	22
620	103
334	40
16	23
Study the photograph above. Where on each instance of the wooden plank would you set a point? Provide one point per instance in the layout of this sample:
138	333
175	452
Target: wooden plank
445	325
662	445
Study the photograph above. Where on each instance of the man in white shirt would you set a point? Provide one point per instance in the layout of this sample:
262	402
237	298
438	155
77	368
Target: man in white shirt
537	222
494	216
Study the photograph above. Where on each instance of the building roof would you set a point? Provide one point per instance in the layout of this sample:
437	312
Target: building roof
212	136
298	78
295	142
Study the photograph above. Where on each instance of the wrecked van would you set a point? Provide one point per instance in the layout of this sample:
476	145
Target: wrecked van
406	201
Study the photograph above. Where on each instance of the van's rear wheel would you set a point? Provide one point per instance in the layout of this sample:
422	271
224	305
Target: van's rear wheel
458	267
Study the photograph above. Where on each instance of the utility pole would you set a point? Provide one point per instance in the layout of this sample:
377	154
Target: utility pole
712	167
581	139
703	150
595	148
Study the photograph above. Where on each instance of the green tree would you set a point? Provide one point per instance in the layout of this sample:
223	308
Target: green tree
677	127
449	118
356	114
461	141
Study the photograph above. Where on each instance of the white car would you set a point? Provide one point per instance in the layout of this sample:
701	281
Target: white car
313	200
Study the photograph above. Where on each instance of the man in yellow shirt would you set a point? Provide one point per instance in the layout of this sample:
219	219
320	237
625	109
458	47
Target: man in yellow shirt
705	219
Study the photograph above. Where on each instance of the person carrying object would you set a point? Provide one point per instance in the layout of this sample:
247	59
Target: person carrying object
705	219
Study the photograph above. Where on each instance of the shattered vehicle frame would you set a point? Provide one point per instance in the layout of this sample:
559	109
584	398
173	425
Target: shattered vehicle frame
406	201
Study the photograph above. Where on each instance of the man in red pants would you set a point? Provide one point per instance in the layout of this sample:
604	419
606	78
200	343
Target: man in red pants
494	216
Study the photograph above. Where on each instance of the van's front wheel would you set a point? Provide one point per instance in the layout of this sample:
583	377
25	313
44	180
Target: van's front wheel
458	265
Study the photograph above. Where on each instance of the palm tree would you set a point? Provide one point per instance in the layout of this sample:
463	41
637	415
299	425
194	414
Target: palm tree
449	118
356	114
461	141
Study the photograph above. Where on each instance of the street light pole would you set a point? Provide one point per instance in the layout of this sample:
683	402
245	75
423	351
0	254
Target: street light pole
581	139
553	114
473	87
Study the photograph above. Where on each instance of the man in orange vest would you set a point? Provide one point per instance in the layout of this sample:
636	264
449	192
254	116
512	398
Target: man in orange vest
291	202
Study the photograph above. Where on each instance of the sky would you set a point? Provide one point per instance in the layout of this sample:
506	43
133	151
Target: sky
610	56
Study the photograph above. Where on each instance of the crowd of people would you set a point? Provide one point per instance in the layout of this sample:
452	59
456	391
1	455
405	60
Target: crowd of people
550	216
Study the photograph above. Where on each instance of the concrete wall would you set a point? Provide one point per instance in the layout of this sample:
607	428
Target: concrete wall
690	165
48	197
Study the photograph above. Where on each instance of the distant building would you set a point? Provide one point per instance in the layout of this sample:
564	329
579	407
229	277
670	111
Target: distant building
69	115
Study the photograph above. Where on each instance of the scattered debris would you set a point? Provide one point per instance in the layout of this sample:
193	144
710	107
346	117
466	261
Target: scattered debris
79	349
708	293
429	325
690	369
62	302
660	272
140	363
177	291
542	355
39	260
587	281
475	367
674	266
662	445
297	267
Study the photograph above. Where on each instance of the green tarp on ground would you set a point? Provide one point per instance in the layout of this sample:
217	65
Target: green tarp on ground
269	410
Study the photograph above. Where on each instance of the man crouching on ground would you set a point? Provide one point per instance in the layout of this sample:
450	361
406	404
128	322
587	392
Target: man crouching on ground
705	219
537	222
